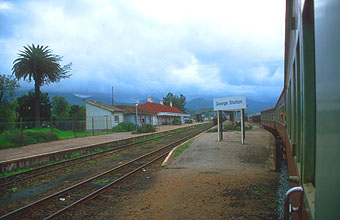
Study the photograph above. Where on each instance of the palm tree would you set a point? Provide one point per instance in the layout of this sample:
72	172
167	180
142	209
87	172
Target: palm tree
41	65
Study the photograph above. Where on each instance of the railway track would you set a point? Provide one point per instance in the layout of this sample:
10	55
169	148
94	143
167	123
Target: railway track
59	202
15	178
45	169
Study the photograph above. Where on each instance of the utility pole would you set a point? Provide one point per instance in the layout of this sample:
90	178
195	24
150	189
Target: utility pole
112	95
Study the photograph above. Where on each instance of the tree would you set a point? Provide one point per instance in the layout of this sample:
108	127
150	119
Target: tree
7	108
178	102
7	87
77	112
41	65
26	108
60	107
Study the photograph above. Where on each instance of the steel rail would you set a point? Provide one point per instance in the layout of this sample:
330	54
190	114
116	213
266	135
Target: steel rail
23	208
103	189
81	159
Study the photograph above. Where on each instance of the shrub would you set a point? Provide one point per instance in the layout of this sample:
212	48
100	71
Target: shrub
146	128
31	136
177	121
124	126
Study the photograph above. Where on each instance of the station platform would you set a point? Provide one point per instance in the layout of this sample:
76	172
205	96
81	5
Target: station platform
208	180
18	153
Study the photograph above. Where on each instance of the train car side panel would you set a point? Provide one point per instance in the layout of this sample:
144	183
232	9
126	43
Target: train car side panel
327	68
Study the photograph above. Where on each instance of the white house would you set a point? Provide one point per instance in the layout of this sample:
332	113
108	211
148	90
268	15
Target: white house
163	114
100	116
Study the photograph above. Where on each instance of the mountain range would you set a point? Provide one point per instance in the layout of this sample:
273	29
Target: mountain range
254	105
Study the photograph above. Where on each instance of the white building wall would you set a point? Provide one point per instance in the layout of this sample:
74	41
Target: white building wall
154	120
102	119
120	117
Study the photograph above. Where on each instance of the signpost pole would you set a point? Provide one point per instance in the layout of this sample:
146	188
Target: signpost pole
218	126
244	122
242	126
230	103
221	125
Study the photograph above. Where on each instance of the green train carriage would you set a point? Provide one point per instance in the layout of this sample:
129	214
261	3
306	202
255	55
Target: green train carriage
307	114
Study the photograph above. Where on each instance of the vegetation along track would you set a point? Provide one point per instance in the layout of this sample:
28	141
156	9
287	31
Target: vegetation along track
60	201
15	178
12	180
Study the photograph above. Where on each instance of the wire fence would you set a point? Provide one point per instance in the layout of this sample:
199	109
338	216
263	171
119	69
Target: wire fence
23	132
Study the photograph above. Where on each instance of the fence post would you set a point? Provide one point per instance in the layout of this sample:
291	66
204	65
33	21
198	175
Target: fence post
51	128
92	126
21	133
107	126
75	128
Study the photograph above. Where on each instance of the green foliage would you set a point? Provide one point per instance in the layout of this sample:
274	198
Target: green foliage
181	149
7	108
124	126
41	65
7	116
178	102
26	107
7	86
15	172
177	121
146	128
77	112
73	155
31	136
60	107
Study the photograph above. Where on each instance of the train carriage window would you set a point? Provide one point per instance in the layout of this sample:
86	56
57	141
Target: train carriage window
308	94
294	122
289	110
298	102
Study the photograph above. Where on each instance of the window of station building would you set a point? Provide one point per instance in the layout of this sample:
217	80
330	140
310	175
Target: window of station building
117	119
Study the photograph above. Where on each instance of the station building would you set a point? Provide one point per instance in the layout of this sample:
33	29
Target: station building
100	116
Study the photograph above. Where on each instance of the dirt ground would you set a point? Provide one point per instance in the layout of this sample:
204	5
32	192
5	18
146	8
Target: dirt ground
209	180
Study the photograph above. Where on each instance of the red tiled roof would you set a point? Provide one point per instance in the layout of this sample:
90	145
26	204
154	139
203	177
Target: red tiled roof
155	108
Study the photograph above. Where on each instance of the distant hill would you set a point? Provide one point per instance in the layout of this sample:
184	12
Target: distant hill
76	98
198	103
254	106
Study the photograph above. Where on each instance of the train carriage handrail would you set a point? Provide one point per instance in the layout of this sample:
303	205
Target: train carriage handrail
288	209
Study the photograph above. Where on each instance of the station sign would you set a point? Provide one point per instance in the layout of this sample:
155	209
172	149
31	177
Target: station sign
230	103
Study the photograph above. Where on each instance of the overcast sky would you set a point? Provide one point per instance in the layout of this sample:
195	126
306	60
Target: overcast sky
197	48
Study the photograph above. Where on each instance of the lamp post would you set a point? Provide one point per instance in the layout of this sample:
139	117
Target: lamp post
137	114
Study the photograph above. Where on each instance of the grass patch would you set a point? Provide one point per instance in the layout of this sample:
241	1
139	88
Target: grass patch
12	138
91	162
115	156
13	189
149	138
181	149
73	155
15	172
101	181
